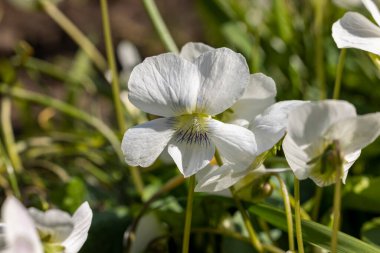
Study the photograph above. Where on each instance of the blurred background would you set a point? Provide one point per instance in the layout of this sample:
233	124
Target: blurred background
59	132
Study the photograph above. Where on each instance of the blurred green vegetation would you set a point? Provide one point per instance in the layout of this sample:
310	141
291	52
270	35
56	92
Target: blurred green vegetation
59	133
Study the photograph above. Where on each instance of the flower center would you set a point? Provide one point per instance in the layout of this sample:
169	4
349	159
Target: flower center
192	129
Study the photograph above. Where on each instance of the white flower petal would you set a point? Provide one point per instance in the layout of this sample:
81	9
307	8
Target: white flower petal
372	8
224	78
142	144
308	122
21	234
215	178
165	85
54	222
82	219
355	133
349	160
192	50
297	158
191	157
234	143
354	30
270	126
260	94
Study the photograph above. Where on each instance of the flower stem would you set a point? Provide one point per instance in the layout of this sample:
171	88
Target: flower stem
51	9
320	10
11	172
339	72
160	26
112	65
288	212
298	215
336	210
135	172
9	140
189	213
247	222
317	203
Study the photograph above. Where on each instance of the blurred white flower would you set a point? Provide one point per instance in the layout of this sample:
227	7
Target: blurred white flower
37	232
187	91
348	4
269	128
354	30
59	229
20	233
317	130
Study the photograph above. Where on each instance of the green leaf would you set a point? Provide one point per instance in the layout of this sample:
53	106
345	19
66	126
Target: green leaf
362	193
371	232
313	232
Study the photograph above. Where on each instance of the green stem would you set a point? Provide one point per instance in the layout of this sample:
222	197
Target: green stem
339	73
8	134
160	26
317	203
67	109
11	172
247	222
51	9
189	212
336	210
319	16
288	212
135	172
298	215
112	66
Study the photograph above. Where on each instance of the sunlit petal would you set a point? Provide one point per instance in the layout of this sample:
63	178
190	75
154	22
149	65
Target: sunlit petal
142	144
193	50
165	85
224	78
354	30
234	143
191	157
82	219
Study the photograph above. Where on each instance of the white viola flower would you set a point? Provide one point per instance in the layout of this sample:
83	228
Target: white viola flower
269	128
58	229
318	130
19	231
354	30
187	93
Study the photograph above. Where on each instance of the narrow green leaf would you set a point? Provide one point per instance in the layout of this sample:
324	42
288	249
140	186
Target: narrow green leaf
313	232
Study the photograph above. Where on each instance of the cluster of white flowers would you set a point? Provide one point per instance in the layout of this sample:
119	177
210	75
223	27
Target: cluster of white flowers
208	101
34	231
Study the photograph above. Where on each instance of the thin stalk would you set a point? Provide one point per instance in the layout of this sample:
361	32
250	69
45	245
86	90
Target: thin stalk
170	185
135	172
339	73
8	135
336	210
288	212
189	214
112	66
247	222
160	26
317	203
66	109
88	47
11	172
319	51
298	215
